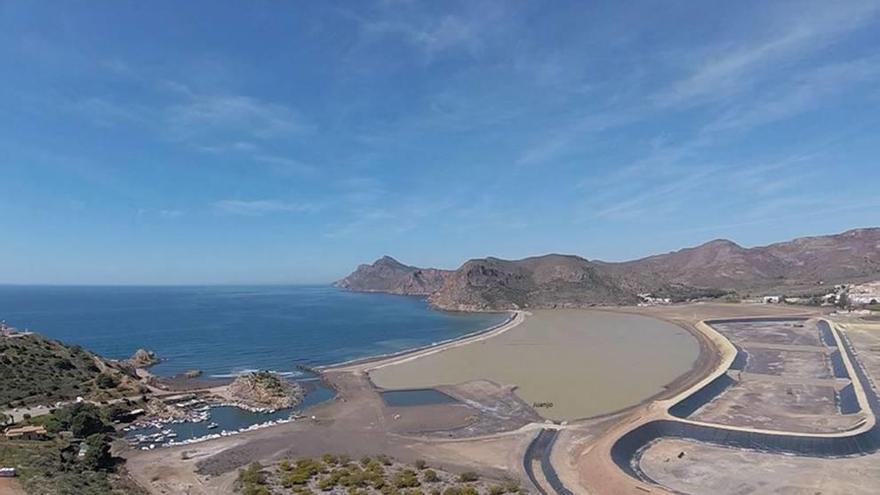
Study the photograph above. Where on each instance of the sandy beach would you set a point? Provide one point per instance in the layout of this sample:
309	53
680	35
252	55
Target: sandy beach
584	362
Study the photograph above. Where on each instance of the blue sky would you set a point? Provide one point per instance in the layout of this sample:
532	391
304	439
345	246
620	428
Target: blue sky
233	142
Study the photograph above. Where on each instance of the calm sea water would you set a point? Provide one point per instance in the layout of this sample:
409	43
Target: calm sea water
227	330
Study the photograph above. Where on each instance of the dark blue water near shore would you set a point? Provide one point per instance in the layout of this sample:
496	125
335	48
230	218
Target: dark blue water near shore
226	330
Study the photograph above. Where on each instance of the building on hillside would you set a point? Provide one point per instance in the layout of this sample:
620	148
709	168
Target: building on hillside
26	433
83	450
11	332
648	299
864	294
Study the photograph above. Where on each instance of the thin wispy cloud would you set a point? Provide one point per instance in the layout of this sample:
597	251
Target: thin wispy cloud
806	91
733	67
467	31
260	207
432	36
229	147
105	112
220	124
166	213
662	198
210	115
286	166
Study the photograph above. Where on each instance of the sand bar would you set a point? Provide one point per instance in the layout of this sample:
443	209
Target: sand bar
585	362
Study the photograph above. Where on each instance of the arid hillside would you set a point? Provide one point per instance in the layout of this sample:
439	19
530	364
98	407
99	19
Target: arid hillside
37	370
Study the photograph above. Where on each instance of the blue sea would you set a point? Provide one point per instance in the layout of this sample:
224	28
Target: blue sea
224	330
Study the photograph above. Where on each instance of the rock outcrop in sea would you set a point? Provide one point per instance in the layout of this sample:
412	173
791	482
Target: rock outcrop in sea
264	389
142	358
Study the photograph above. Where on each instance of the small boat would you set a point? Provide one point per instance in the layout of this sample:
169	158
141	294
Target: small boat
212	425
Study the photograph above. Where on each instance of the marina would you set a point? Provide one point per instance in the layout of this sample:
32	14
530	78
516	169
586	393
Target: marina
207	418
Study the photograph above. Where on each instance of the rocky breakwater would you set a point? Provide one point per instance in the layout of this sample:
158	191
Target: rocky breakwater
264	390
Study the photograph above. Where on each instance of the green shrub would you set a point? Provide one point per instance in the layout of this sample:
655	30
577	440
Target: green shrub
97	457
406	479
106	380
327	484
252	475
256	490
301	473
461	490
468	477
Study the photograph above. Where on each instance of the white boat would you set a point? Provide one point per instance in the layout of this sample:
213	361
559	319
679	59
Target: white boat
212	425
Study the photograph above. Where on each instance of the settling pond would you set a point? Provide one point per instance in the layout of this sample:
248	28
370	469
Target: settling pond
584	362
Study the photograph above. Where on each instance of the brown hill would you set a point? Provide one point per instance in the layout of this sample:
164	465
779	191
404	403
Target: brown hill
710	269
808	261
719	264
544	281
389	275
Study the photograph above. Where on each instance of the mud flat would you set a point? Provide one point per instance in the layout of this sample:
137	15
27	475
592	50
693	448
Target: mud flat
571	363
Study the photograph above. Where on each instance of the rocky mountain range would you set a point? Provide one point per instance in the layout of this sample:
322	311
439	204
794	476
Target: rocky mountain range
803	265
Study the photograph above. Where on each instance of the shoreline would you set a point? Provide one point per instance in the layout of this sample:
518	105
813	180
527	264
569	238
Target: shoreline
216	390
515	317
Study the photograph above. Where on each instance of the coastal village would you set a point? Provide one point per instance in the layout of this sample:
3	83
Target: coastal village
94	429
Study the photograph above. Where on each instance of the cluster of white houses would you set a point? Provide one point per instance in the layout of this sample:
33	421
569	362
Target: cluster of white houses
855	295
864	294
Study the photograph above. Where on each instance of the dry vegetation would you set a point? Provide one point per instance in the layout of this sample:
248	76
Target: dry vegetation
371	475
37	370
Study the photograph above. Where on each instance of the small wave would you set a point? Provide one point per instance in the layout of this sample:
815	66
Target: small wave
236	374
